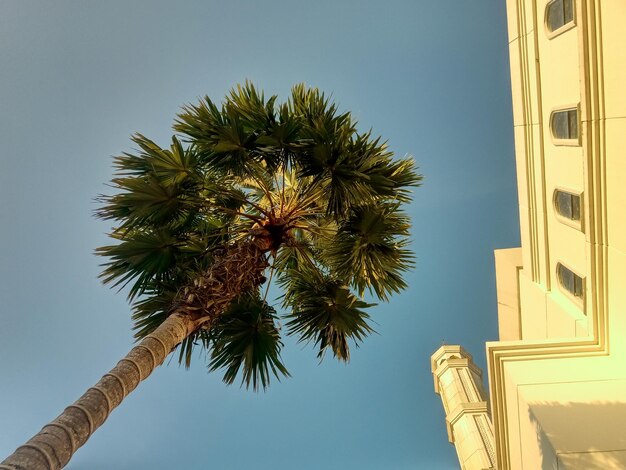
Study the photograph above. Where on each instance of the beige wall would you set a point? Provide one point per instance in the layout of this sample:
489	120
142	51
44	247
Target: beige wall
508	264
558	374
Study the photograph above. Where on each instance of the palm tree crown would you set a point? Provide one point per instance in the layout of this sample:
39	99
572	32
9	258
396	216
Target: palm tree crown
251	192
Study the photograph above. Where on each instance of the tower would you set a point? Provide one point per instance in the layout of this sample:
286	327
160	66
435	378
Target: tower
459	383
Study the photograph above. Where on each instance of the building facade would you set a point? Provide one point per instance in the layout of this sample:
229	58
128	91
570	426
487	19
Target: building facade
557	375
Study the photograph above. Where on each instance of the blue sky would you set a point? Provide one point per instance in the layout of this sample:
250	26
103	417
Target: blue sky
77	78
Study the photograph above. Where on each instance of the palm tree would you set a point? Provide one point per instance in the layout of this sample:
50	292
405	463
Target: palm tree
248	193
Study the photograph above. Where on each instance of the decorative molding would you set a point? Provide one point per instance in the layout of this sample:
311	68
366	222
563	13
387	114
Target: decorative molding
536	201
466	408
593	142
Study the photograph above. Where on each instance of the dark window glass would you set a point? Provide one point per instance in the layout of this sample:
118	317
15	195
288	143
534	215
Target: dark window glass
560	126
568	11
578	286
565	124
555	15
560	13
568	205
564	204
572	123
571	282
575	207
567	279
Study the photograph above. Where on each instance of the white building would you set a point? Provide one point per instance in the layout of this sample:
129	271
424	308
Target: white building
557	375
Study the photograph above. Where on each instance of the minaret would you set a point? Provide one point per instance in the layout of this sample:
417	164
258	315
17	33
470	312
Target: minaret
459	383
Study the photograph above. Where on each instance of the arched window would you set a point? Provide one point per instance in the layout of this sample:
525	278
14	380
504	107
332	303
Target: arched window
567	204
559	13
564	124
570	281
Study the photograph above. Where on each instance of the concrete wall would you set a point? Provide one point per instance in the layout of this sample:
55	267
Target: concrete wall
558	374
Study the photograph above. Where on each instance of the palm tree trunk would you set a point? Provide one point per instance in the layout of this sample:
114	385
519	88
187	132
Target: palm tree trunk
53	446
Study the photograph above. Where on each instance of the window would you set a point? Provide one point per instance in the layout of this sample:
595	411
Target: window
570	281
559	13
564	124
567	205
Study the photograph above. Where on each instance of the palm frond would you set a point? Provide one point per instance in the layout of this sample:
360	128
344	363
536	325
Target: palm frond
370	249
325	312
255	112
246	340
393	179
142	257
143	200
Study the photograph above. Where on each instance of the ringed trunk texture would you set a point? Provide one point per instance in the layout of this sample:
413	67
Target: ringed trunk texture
53	446
237	270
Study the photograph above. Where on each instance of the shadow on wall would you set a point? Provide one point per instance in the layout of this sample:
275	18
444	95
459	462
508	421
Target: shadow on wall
588	436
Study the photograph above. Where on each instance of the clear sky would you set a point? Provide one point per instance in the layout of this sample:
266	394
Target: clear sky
77	78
